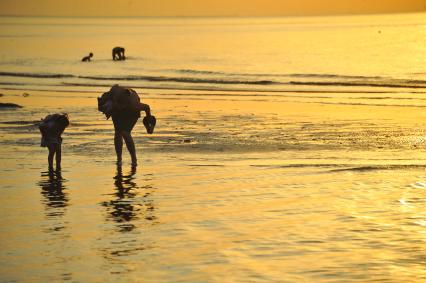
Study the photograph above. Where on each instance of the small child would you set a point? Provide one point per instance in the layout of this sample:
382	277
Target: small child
51	128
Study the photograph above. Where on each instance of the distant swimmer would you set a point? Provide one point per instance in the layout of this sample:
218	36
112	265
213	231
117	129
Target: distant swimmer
118	54
87	58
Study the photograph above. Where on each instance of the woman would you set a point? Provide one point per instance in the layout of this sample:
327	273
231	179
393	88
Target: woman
124	106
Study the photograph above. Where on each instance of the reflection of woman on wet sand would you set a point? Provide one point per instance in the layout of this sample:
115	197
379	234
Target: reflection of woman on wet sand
125	183
127	204
122	210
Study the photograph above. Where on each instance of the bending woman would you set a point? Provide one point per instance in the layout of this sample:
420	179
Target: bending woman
124	120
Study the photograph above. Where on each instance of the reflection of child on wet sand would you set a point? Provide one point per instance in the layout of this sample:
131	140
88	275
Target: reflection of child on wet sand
51	128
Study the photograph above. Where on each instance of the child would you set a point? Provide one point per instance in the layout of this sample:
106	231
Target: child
51	128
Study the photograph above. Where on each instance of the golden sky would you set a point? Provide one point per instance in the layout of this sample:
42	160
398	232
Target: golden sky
204	7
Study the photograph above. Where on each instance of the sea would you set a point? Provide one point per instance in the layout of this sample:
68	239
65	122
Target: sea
287	149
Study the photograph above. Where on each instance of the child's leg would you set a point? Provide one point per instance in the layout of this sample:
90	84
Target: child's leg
51	148
118	143
58	155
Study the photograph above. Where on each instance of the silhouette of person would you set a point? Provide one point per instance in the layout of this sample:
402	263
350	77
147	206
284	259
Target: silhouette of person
118	54
87	58
125	108
51	129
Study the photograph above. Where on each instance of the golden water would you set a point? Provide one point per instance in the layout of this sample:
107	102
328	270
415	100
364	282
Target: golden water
261	184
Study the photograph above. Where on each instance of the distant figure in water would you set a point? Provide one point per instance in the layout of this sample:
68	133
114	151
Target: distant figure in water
51	128
118	54
124	106
87	58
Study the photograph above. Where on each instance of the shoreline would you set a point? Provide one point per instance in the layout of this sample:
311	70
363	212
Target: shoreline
235	126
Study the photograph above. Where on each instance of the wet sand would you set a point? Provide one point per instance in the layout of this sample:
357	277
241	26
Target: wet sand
243	189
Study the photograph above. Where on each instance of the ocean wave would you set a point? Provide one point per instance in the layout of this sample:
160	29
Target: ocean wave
179	80
390	84
332	76
320	80
336	167
190	71
35	75
141	78
367	168
323	79
70	87
289	75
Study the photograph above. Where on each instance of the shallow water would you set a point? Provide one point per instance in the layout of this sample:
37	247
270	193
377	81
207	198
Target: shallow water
362	53
270	182
217	195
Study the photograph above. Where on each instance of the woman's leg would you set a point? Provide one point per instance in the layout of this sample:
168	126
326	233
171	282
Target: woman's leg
118	143
130	146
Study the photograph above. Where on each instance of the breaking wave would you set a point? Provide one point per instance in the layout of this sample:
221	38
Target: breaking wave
218	80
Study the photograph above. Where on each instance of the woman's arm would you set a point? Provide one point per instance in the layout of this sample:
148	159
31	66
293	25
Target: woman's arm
146	108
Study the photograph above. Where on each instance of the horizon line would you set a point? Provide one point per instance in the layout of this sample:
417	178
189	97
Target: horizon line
217	16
